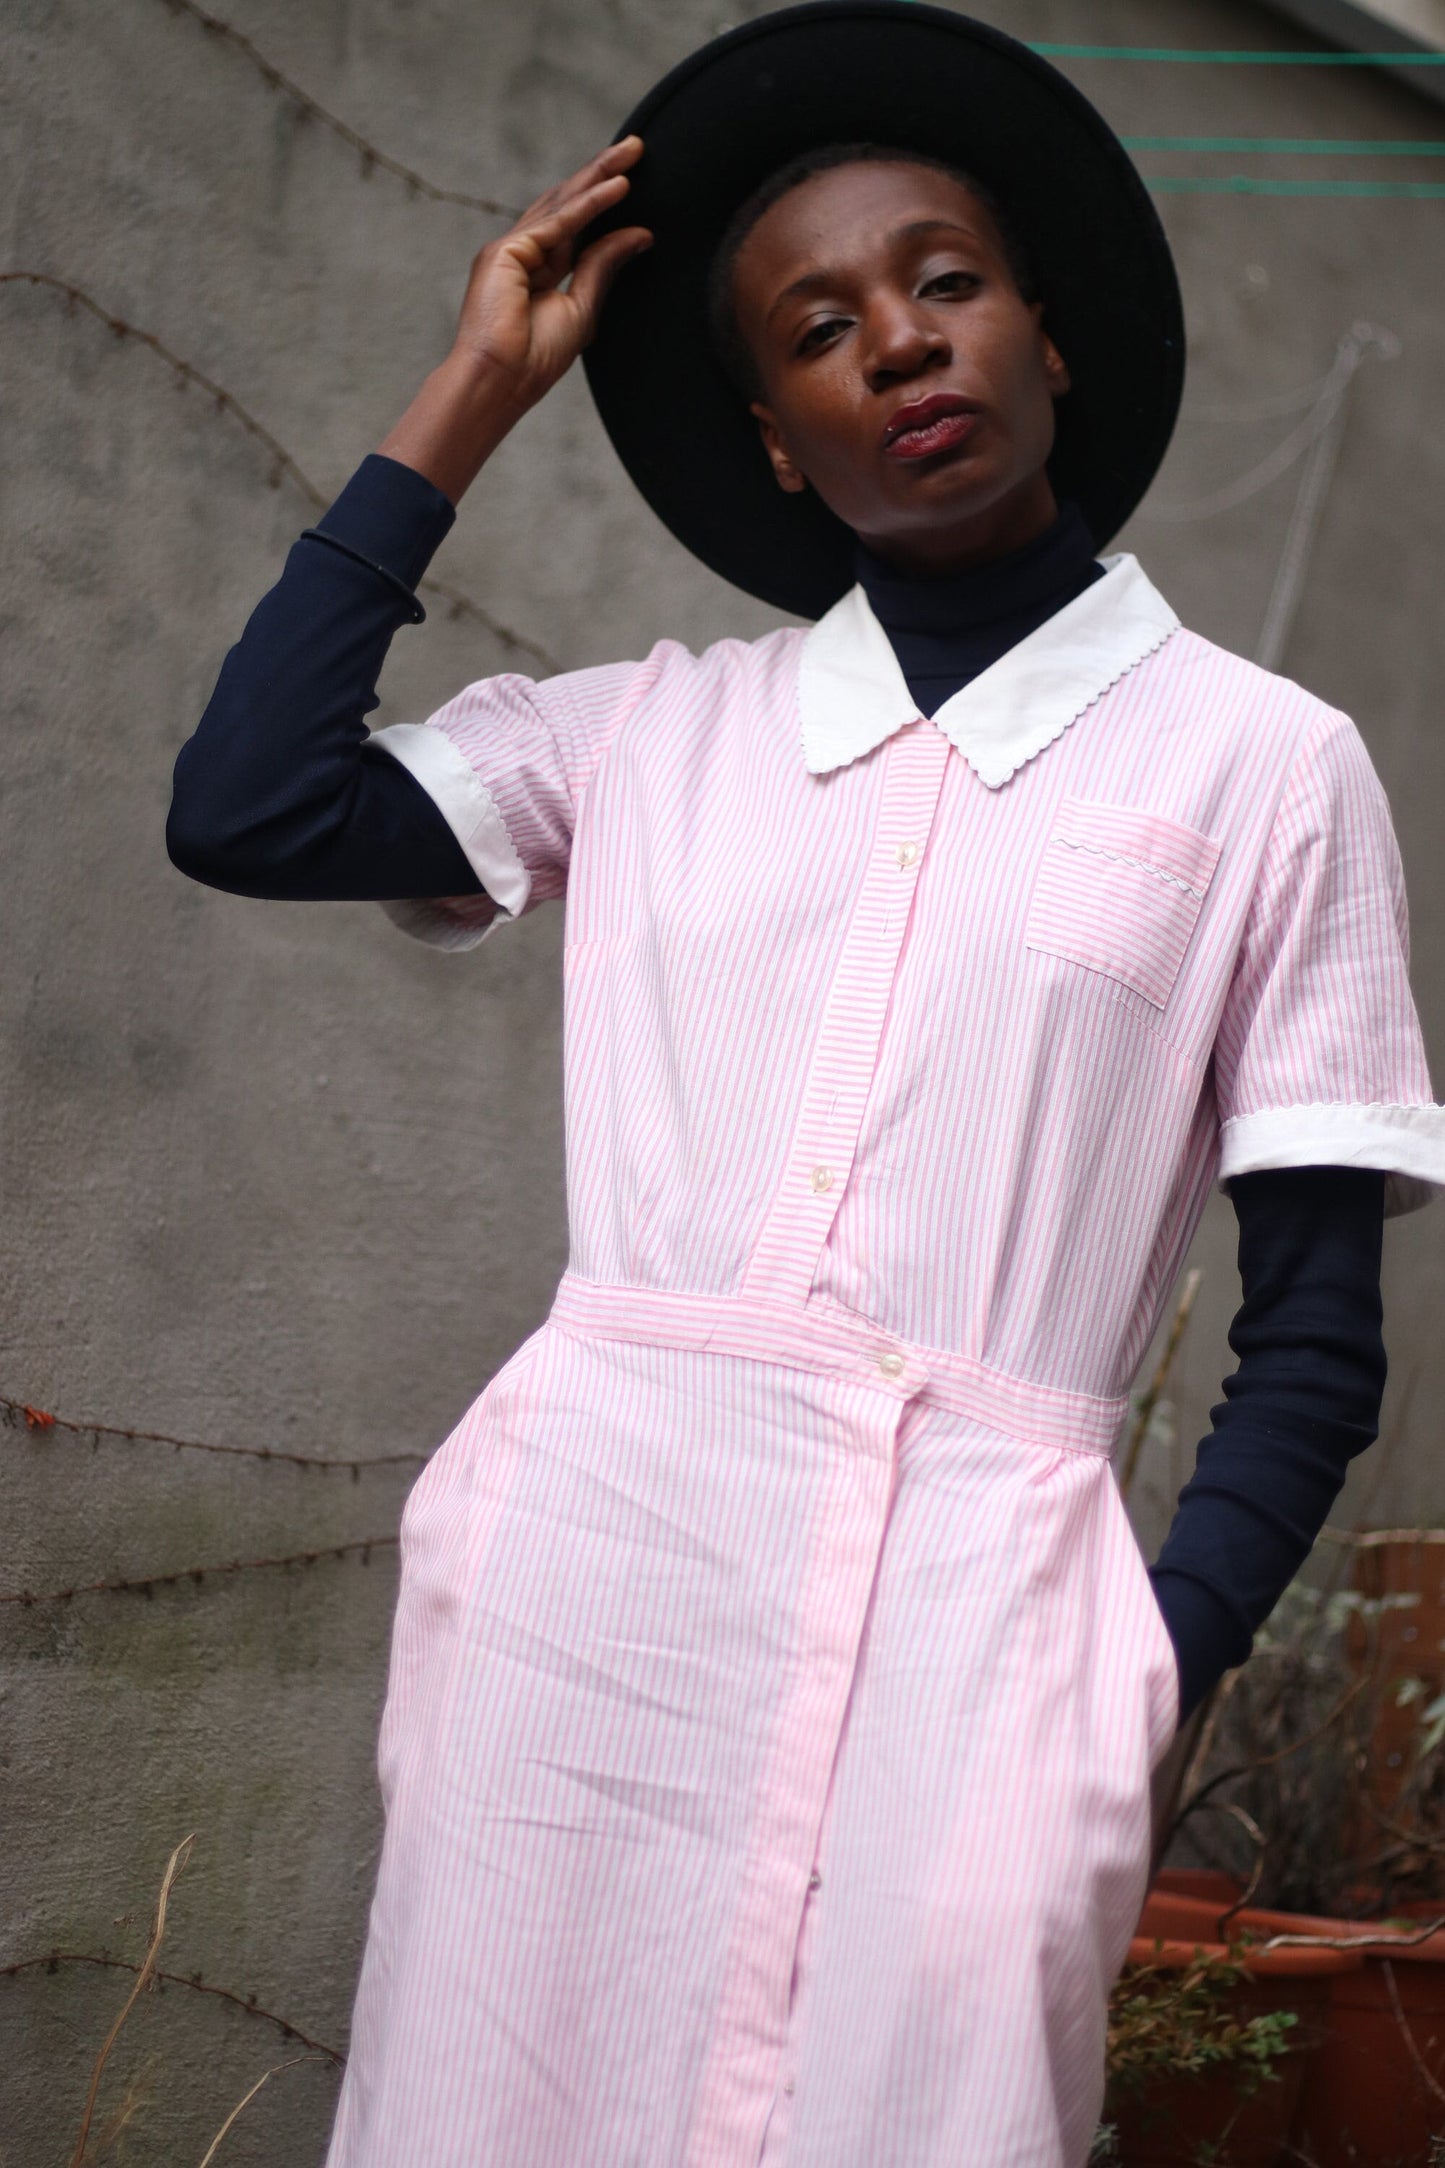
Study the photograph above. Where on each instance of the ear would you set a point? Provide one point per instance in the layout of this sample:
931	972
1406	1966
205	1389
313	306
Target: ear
1056	369
790	477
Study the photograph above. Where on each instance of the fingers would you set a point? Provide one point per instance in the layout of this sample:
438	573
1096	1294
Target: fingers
598	267
615	159
566	219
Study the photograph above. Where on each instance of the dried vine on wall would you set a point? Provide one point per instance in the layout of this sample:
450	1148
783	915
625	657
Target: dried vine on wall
372	158
283	465
249	2004
147	1584
18	1411
327	1464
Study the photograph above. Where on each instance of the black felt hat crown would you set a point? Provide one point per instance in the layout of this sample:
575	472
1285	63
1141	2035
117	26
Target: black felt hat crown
924	79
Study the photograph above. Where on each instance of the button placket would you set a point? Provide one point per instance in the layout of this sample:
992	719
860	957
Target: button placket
851	1029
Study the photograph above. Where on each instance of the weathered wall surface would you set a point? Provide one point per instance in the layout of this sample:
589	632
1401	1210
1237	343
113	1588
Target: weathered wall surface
274	1176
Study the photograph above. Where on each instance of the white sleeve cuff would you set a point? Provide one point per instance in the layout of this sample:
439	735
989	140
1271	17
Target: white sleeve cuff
470	811
1406	1143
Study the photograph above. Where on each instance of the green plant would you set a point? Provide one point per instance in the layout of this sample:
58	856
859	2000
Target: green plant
1171	2021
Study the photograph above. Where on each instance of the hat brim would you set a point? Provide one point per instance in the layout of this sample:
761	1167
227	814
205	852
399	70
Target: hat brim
920	77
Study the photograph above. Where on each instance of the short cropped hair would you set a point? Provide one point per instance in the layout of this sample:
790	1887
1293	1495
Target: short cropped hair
729	345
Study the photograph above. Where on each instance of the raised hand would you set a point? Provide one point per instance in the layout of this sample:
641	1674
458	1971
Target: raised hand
517	316
520	328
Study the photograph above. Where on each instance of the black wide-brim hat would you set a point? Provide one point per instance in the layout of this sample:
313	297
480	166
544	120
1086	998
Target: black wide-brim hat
924	79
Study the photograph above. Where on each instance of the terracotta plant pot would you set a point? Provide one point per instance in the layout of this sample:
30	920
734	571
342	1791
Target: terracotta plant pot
1175	2121
1375	2096
1401	1643
1197	1882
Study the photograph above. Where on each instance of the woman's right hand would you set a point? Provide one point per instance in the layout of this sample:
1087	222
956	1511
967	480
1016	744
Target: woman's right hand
519	329
517	318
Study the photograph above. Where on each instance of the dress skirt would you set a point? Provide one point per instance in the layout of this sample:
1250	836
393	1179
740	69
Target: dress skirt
765	1759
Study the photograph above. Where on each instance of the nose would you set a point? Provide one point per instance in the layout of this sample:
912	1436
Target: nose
902	341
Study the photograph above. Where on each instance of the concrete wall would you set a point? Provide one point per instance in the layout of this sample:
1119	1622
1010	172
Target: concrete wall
273	1175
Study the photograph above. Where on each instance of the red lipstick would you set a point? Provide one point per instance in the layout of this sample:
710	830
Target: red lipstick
934	424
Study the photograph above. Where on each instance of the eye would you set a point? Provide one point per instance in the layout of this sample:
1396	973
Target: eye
968	279
811	336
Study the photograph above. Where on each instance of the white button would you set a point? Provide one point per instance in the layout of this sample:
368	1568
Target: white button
821	1179
789	2086
890	1364
907	854
815	1880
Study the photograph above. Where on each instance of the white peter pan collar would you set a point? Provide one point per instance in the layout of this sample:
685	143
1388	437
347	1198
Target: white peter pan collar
852	693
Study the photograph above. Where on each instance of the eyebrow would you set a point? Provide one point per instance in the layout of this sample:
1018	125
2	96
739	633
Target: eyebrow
813	282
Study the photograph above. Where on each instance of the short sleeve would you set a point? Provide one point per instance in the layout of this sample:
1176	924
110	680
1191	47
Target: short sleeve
1319	1059
506	763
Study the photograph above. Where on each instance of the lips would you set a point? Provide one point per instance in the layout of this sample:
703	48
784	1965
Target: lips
929	425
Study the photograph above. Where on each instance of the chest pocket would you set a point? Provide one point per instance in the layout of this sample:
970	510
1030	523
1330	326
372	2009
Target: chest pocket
1118	890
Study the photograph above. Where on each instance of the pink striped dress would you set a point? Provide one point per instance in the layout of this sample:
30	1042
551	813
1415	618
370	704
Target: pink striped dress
776	1678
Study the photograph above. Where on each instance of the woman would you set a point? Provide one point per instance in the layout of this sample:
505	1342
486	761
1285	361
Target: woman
776	1681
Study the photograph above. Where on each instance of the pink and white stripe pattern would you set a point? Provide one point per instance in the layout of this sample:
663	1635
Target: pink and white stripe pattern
776	1678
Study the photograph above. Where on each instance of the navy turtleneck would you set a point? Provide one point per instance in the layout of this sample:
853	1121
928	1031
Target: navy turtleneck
279	793
946	628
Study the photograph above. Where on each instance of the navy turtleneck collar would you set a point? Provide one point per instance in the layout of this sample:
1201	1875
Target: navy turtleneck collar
947	628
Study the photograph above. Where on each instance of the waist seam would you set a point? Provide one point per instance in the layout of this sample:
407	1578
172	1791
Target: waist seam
825	1337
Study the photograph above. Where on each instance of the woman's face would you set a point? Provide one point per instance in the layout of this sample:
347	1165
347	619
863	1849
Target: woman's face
861	293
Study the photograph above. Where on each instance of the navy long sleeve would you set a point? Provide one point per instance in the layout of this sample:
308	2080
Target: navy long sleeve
279	794
1304	1400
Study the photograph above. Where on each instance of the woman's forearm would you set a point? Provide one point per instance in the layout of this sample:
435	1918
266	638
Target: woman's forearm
278	792
1304	1400
456	421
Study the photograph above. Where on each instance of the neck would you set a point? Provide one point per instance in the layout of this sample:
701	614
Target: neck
1007	526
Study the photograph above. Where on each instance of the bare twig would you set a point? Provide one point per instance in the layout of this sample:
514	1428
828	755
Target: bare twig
1369	1539
135	2094
283	466
1415	2056
1210	1711
247	2003
1266	1761
1144	1413
1252	1830
41	1419
145	1584
1411	1840
175	1867
371	158
1376	1941
245	2102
